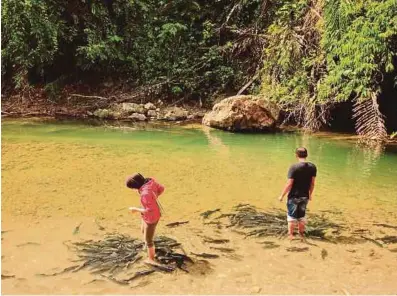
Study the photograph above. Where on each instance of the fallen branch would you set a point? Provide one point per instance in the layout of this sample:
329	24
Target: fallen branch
88	97
248	84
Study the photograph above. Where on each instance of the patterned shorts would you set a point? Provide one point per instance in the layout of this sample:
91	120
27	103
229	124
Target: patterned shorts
297	208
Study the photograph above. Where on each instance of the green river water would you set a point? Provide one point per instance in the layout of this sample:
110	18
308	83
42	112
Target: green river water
82	167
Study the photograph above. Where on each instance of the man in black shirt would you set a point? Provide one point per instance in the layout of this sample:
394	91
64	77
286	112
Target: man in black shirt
300	185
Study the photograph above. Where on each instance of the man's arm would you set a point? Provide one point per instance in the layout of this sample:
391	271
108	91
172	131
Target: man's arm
286	189
312	187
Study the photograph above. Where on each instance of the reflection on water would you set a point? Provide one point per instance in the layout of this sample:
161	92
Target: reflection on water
371	156
215	141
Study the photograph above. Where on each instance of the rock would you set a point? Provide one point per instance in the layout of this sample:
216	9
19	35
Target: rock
137	117
152	113
243	113
196	115
175	113
132	108
103	113
150	106
117	115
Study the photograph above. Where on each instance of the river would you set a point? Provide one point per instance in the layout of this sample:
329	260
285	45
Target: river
56	175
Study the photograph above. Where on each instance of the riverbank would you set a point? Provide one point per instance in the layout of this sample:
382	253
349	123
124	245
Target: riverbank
118	108
91	107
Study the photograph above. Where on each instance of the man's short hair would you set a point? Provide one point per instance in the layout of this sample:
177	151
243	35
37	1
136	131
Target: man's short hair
301	152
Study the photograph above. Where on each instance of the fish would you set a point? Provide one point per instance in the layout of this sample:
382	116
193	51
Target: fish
165	268
208	213
141	273
389	239
206	255
93	281
324	253
385	225
216	241
174	224
28	243
296	249
77	228
372	241
100	227
67	269
226	250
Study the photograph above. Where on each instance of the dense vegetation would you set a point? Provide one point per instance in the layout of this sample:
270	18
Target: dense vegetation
308	55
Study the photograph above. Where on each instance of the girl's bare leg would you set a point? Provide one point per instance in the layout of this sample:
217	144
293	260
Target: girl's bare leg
301	229
149	235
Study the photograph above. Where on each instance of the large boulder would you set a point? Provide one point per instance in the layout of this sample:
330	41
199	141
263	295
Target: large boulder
243	113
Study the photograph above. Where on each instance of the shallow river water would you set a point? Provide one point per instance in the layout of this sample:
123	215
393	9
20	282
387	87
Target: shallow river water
56	175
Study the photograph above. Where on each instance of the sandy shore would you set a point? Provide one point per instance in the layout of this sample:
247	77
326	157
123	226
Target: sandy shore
31	247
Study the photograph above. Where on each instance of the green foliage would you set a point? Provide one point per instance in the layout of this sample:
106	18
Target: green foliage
30	33
360	41
307	54
142	41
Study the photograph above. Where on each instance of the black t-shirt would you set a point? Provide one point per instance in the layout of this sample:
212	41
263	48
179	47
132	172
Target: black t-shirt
302	173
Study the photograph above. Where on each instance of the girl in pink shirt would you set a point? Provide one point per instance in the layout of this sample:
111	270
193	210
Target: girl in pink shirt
149	191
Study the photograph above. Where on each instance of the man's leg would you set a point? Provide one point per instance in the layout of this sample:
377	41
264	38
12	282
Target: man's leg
291	217
301	214
301	227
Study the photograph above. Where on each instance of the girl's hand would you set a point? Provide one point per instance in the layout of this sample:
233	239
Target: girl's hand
133	209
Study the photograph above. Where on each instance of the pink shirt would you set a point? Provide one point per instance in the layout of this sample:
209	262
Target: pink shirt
149	193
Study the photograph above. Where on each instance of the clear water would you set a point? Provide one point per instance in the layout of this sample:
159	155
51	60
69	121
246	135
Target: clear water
81	169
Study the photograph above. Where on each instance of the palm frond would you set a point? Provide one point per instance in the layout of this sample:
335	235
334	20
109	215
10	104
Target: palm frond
370	122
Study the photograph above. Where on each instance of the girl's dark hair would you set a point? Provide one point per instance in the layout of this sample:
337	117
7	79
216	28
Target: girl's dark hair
135	181
301	152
